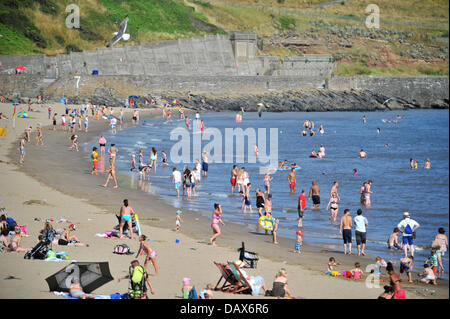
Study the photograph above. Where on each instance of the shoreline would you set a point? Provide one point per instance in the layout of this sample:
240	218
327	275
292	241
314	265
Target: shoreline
68	176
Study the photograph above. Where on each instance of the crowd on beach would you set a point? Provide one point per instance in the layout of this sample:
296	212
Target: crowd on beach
76	120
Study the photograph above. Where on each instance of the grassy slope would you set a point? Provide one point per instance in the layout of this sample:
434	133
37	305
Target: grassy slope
404	45
148	20
38	26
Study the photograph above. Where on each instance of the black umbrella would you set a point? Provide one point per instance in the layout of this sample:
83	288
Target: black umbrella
90	275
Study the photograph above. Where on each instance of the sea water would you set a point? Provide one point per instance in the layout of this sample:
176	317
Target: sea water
396	188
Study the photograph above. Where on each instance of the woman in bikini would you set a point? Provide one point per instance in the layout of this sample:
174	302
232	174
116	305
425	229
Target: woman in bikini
126	213
216	219
267	180
150	254
334	207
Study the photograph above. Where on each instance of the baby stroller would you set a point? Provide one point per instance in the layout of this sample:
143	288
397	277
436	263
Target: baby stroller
40	250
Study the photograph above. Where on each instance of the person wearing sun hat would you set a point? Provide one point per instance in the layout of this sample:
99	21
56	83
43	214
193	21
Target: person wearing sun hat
407	227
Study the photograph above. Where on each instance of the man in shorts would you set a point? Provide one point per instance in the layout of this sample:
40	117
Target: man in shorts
345	229
360	231
176	179
407	227
314	194
204	163
292	181
301	208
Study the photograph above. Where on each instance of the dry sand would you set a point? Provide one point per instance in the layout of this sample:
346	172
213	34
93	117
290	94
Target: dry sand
60	180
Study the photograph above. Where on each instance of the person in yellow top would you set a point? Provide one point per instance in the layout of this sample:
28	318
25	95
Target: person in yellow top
94	157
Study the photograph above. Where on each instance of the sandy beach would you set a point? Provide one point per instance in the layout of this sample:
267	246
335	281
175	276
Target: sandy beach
55	182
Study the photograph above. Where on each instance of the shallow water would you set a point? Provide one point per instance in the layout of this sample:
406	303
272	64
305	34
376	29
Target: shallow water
424	193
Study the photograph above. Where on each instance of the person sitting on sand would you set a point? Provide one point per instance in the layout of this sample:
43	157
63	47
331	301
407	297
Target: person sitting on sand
207	293
357	272
14	245
280	285
331	264
68	239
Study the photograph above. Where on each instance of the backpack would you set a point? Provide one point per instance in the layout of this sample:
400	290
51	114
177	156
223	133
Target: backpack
193	293
122	249
10	223
408	230
137	282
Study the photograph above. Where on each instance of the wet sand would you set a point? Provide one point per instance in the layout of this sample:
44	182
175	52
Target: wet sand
59	171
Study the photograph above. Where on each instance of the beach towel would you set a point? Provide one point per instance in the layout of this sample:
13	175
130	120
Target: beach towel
68	296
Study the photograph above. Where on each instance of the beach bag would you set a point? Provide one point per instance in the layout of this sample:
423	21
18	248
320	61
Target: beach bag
193	293
10	224
122	249
137	282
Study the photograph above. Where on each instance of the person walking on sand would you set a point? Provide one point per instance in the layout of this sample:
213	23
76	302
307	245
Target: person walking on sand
360	231
314	194
39	139
407	227
301	208
22	149
150	254
345	229
216	219
126	214
111	174
292	182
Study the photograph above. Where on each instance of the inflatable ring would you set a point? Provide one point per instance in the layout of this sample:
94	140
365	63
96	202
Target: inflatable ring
266	222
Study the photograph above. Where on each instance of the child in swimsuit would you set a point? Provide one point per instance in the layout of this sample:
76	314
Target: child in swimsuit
150	253
178	220
406	266
357	272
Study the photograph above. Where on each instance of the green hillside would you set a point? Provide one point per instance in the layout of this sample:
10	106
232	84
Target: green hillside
38	26
412	38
